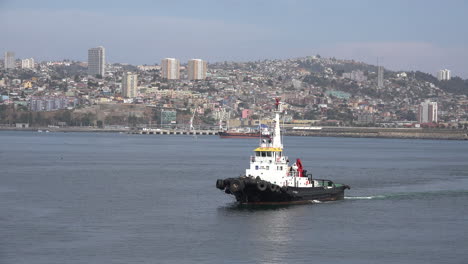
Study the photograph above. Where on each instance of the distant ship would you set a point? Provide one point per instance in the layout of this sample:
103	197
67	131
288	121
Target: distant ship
262	132
270	179
226	134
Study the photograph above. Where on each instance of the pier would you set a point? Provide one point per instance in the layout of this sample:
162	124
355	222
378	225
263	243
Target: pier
357	132
174	132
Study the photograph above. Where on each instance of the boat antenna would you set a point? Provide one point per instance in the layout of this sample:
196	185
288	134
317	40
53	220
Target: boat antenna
259	128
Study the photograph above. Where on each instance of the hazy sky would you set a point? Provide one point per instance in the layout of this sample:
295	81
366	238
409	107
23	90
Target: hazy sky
405	34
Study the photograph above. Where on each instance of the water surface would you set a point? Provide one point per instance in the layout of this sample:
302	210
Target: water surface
118	198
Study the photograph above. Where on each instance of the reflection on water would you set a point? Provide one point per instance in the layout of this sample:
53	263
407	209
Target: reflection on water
235	206
238	207
271	228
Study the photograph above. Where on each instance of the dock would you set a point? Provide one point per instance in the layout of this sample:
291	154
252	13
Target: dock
174	132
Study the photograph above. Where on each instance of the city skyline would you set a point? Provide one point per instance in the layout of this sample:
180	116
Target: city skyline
196	68
404	36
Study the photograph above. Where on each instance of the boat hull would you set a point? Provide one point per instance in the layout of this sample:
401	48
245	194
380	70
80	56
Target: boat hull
255	191
238	135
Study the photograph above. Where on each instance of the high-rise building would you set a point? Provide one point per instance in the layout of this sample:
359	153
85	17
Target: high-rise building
170	69
443	75
196	69
9	60
27	63
380	77
427	112
97	61
129	84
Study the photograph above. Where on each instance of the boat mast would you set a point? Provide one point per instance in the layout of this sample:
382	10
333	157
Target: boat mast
277	133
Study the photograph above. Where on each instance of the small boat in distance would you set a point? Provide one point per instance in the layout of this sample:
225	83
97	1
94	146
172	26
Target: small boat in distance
271	180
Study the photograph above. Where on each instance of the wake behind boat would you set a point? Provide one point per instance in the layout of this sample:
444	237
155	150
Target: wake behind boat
270	179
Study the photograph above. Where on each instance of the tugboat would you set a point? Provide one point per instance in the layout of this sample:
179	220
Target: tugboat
270	179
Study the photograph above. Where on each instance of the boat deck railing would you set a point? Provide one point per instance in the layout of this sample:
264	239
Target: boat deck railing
323	183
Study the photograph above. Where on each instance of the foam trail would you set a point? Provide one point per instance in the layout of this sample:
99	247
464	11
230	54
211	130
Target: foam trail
365	197
412	195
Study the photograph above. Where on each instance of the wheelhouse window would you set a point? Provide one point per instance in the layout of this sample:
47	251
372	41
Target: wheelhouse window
267	154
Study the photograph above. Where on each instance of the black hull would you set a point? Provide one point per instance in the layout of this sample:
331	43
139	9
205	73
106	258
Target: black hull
254	191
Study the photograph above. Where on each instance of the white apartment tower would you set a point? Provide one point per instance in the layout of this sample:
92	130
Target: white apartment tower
196	69
443	75
97	61
170	69
9	60
427	112
27	63
129	84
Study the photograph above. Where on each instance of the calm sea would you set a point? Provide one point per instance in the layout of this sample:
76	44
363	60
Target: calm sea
118	198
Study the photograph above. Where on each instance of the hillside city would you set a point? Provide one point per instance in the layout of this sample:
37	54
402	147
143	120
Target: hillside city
315	91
